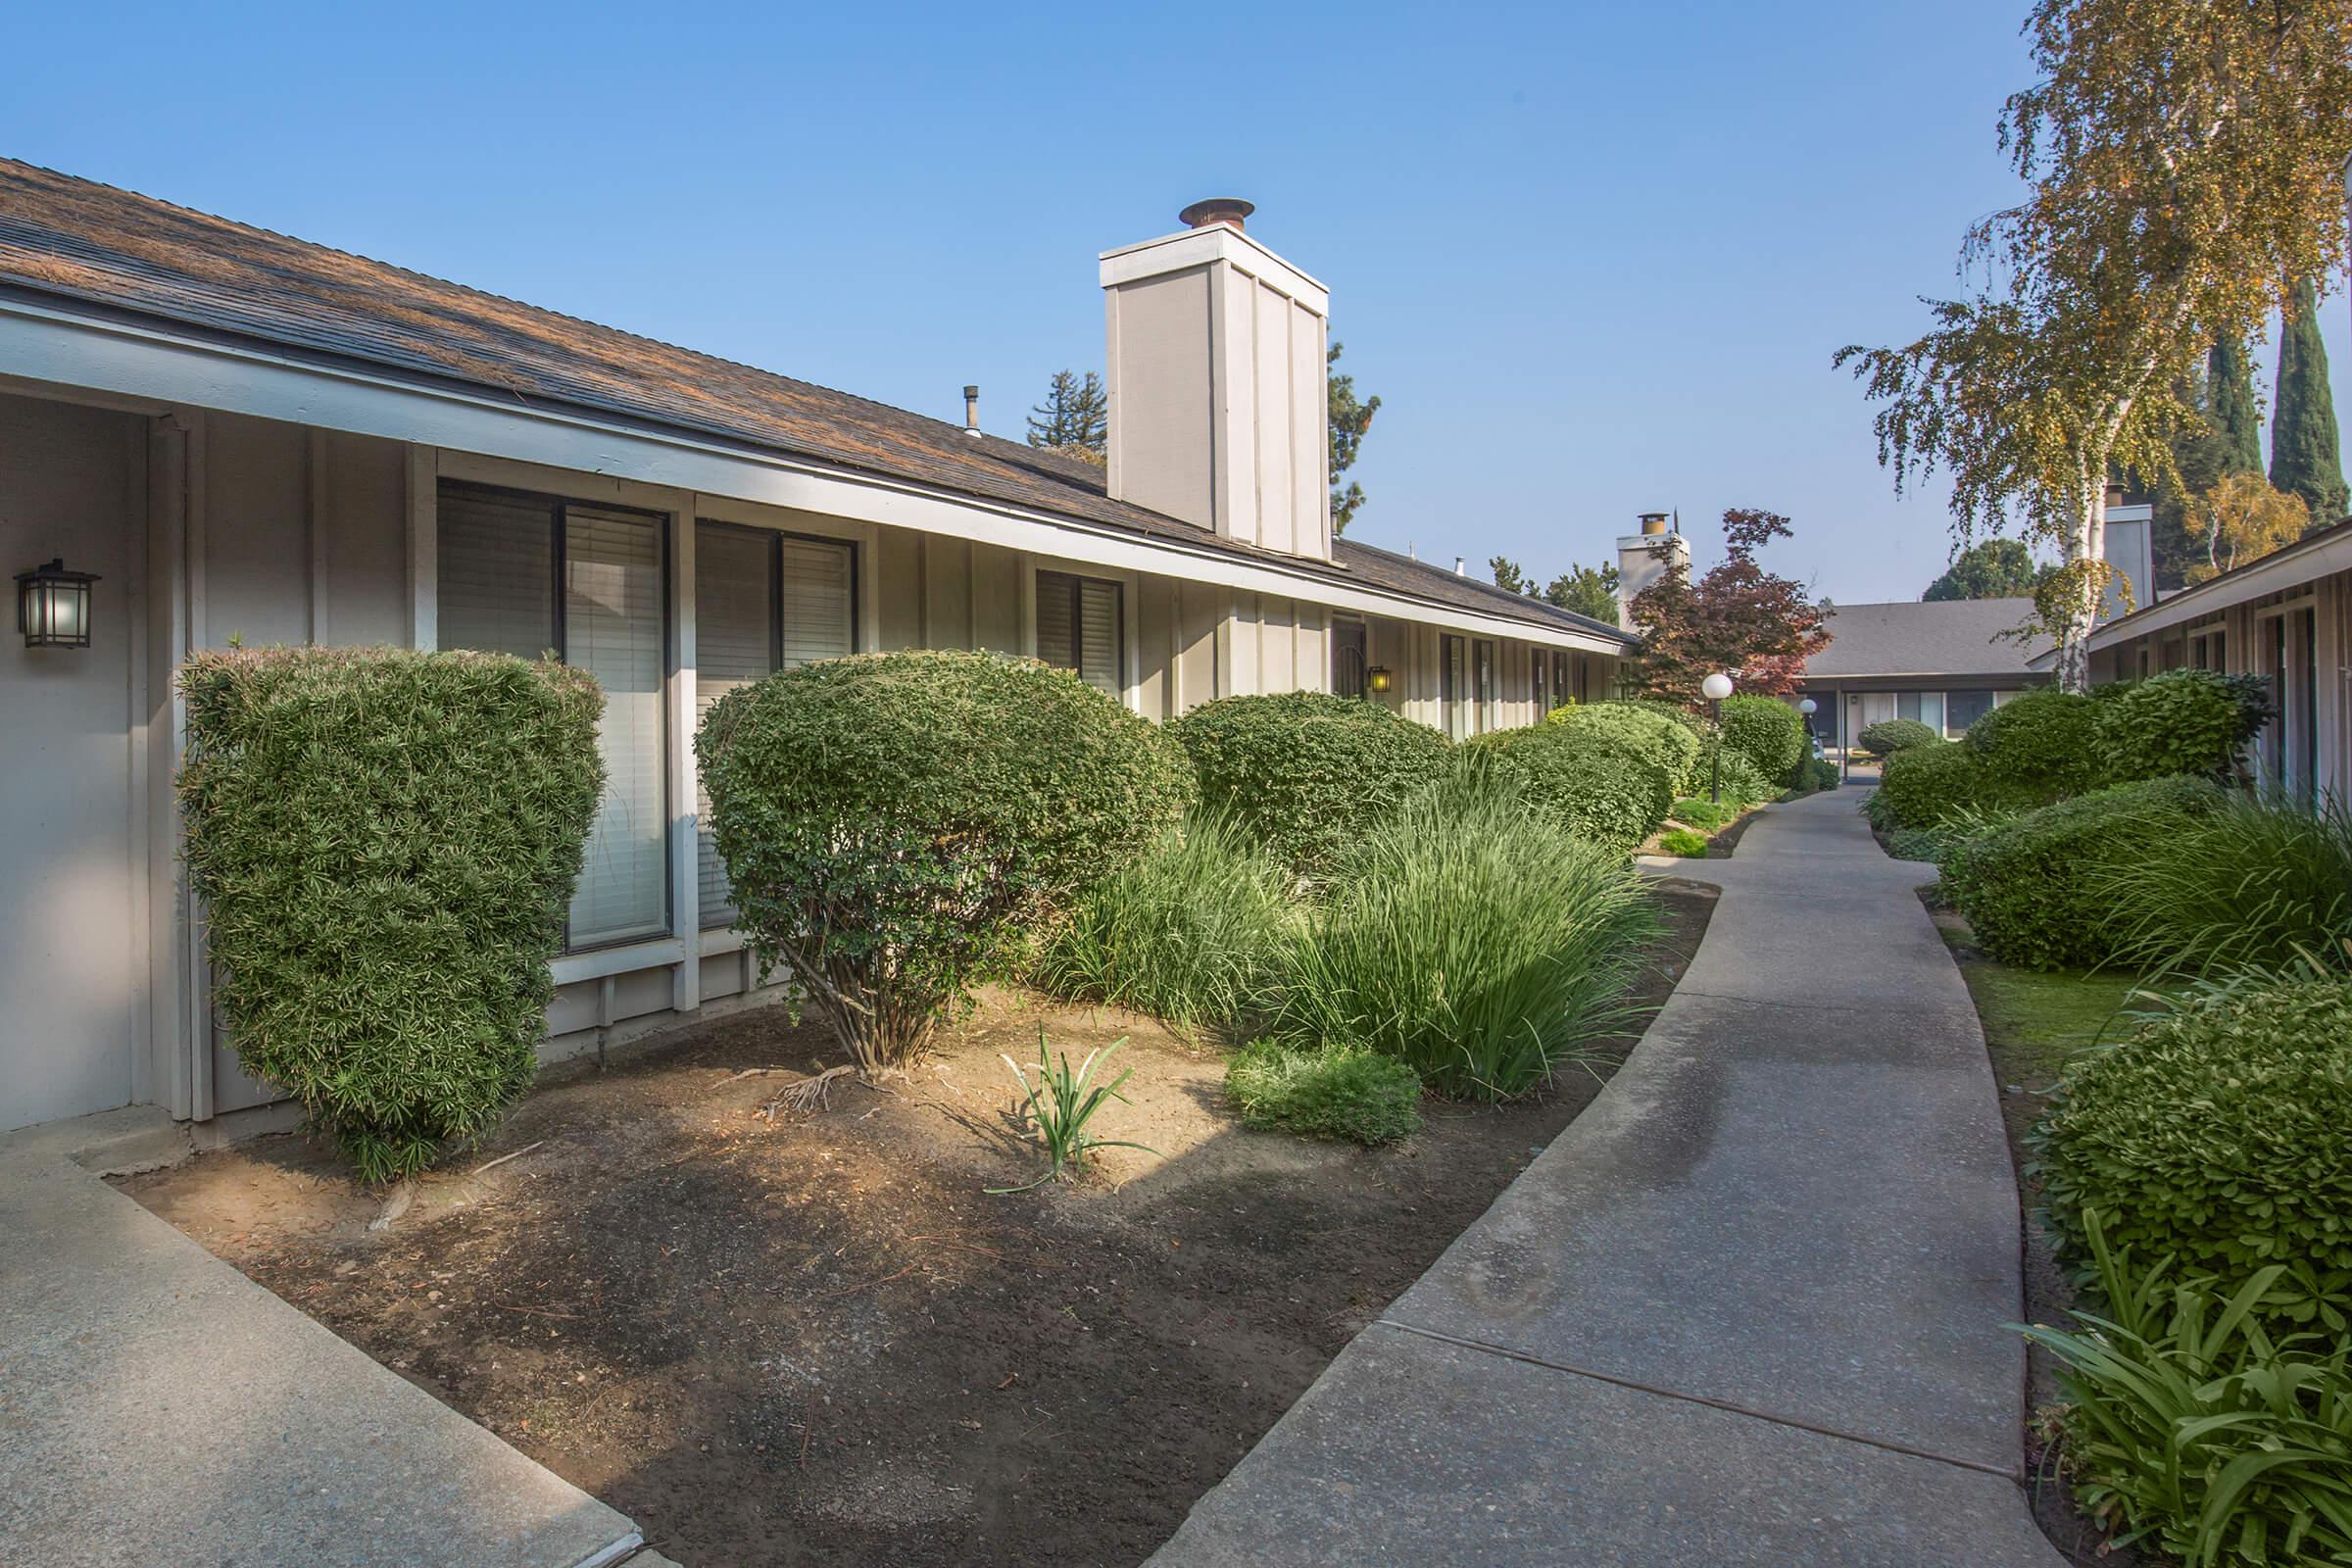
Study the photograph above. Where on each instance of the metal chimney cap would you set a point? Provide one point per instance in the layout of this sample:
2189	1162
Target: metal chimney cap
1227	210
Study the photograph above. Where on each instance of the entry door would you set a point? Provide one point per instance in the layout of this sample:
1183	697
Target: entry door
1877	708
72	932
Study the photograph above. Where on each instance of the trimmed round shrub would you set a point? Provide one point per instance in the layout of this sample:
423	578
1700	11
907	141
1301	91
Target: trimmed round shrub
1769	733
1892	735
1927	785
2042	746
1341	1092
2035	889
1471	937
1591	782
887	820
1186	933
1665	736
2181	721
386	843
1303	772
2222	1137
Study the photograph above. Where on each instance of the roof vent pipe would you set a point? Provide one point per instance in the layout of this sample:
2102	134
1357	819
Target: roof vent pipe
1461	567
971	411
1227	210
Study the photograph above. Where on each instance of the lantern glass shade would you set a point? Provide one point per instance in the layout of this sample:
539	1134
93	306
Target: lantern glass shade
1806	707
53	606
1377	677
1717	687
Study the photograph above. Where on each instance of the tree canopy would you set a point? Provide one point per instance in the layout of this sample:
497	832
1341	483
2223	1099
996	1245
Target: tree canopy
2181	158
1349	418
2307	454
1989	568
1590	591
1074	418
1738	618
2243	518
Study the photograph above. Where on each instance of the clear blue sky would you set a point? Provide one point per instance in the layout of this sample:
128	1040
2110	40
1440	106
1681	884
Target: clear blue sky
1595	259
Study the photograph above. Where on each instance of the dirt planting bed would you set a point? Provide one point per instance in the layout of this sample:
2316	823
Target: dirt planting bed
818	1340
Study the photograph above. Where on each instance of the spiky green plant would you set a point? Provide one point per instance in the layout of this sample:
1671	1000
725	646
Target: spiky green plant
2263	878
1060	1107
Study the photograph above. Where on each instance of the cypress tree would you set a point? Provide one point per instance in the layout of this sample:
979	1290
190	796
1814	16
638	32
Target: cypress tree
2306	452
2231	409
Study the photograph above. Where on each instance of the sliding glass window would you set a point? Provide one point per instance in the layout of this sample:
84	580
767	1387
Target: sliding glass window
531	575
1078	628
762	601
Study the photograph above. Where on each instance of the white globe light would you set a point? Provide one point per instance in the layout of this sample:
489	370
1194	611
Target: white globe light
1806	707
1716	687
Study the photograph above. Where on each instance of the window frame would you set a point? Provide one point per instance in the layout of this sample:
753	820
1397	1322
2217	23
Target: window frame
1362	646
559	509
1118	632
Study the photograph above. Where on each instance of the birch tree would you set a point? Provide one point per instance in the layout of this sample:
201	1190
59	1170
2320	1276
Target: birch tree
2182	158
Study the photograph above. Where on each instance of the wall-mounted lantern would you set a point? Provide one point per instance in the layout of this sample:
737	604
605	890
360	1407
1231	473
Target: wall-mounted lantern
53	606
1377	677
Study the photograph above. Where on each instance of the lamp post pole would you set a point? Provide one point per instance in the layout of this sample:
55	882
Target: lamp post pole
1715	688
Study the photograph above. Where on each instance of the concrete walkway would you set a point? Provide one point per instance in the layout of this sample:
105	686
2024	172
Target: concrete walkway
157	1407
1746	1309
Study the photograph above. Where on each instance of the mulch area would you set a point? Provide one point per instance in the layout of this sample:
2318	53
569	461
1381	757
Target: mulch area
820	1339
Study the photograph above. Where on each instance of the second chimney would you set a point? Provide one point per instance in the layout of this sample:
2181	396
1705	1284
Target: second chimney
1217	403
1643	557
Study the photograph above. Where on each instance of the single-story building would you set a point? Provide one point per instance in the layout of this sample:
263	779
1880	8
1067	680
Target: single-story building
1945	663
230	433
2286	618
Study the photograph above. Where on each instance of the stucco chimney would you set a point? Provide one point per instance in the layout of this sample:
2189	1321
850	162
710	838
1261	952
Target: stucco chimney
1643	557
1217	403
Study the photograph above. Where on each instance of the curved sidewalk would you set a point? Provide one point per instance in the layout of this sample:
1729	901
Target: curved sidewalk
1747	1310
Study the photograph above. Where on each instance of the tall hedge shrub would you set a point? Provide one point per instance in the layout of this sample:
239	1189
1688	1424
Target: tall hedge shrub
1303	773
2181	721
2220	1137
1594	784
1768	732
886	820
1667	738
1926	786
2040	747
2035	890
386	843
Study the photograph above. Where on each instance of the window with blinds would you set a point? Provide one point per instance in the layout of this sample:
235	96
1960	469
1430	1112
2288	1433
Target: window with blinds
762	601
1078	628
530	574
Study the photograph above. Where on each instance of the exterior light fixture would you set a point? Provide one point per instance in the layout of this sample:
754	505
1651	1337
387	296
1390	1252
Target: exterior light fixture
53	606
1715	688
1806	707
1376	678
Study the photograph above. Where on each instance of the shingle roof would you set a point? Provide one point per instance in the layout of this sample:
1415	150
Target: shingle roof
80	241
1911	637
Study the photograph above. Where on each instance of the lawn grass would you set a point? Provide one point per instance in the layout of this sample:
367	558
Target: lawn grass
2035	1023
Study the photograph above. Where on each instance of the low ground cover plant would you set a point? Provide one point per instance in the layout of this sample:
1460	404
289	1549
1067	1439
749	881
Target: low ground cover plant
2262	880
1190	932
1815	773
386	843
2181	721
1892	735
1301	772
888	820
1732	774
1472	937
1683	842
2035	889
1592	780
2189	1426
1769	733
1704	815
2220	1136
1331	1091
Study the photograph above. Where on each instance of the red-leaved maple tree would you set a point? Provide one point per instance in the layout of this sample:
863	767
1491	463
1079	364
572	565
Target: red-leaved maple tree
1758	627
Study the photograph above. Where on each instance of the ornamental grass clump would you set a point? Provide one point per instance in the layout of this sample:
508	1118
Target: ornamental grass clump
889	821
1472	937
1300	773
385	843
1187	933
2220	1136
2260	881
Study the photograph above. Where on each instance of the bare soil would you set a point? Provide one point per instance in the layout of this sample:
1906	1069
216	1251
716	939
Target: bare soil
820	1340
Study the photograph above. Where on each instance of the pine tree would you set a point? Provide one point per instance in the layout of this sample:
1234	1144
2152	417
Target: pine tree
2307	457
1508	578
1590	591
2231	412
1074	418
1348	420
